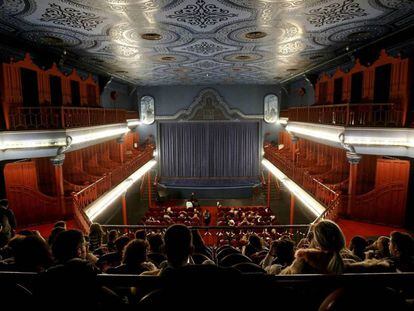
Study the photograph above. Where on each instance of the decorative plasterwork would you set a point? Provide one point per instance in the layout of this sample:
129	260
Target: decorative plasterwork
209	36
209	105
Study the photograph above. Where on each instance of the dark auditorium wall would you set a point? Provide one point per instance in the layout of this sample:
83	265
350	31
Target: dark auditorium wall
170	99
126	97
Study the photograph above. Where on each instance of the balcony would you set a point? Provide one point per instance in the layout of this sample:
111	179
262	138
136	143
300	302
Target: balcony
61	117
360	115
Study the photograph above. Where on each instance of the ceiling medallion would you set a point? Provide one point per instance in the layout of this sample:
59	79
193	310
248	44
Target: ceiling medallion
168	58
49	40
315	57
152	36
255	35
359	35
243	57
292	69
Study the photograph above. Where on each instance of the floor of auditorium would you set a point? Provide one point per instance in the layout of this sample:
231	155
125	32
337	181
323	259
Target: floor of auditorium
280	205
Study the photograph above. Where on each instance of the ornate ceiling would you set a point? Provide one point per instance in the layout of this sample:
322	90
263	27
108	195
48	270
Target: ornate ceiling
202	41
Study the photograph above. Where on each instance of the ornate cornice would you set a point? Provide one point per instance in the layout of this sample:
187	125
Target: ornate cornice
218	103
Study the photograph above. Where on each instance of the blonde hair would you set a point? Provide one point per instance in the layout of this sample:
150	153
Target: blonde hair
329	237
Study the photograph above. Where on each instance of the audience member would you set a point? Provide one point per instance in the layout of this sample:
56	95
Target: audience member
280	256
325	258
402	251
95	237
134	259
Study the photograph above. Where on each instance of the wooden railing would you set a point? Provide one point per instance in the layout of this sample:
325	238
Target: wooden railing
93	191
50	117
365	114
323	193
131	115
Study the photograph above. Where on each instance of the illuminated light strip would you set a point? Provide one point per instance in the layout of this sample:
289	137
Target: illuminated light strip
329	133
96	208
83	138
133	122
353	135
32	143
308	201
283	121
380	137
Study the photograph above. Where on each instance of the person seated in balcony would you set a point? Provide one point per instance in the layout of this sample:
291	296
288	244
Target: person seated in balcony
110	244
402	251
380	249
280	256
325	257
253	246
113	259
134	259
7	222
156	252
357	246
95	237
71	244
53	234
178	246
32	254
140	235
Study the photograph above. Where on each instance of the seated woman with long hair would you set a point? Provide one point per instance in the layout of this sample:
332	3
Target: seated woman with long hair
325	257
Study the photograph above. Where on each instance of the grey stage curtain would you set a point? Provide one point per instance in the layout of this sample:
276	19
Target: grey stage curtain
212	149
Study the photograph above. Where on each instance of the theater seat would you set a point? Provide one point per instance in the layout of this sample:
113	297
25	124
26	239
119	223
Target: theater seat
234	259
227	251
248	267
199	258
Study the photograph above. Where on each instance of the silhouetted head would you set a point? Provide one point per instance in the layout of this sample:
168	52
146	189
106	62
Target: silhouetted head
68	245
156	242
358	245
135	252
140	235
32	254
401	244
178	245
329	237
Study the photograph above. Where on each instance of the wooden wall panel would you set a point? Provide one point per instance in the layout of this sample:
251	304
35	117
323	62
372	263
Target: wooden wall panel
21	174
366	174
46	176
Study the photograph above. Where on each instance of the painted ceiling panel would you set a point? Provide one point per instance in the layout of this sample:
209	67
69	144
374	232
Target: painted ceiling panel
155	42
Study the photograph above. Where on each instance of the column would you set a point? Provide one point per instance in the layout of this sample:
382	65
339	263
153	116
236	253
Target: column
292	209
294	146
149	190
124	210
268	189
120	142
60	190
353	160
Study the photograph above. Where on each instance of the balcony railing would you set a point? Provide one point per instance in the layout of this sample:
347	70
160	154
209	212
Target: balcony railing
366	114
93	191
50	117
323	193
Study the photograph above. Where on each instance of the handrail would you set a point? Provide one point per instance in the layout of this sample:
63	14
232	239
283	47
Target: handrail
398	280
91	185
160	227
329	209
60	117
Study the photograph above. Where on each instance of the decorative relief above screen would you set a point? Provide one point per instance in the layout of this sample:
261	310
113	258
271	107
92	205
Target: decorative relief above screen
156	42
